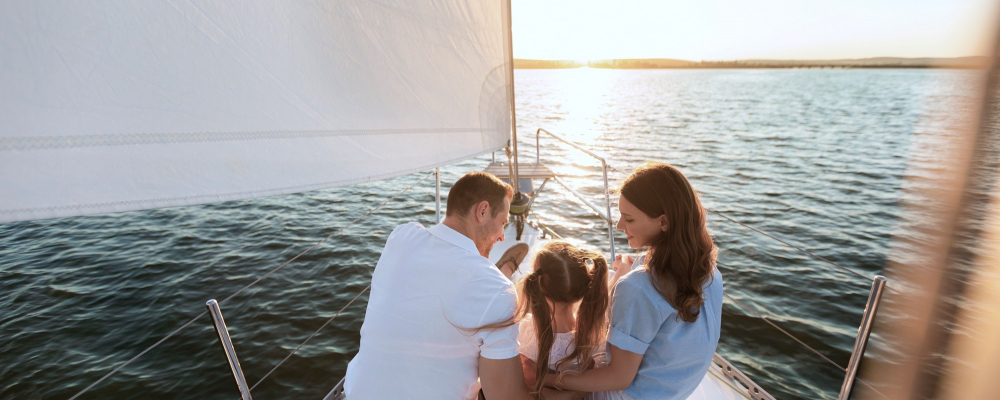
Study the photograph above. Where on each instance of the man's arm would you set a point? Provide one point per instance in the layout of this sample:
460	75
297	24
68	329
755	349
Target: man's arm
504	379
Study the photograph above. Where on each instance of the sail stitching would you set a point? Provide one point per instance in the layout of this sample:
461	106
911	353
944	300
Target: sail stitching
132	139
192	200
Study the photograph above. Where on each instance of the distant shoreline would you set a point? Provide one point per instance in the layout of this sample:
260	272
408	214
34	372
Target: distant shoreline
975	62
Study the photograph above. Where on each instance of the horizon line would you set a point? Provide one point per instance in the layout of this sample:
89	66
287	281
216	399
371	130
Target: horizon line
748	59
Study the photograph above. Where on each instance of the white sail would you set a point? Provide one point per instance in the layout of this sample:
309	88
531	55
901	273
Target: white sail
122	105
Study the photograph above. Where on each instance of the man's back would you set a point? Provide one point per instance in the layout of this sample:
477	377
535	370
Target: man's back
427	285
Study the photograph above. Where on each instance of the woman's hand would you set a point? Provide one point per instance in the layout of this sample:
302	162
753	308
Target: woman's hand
551	380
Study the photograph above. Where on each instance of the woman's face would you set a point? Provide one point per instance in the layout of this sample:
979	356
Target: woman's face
639	228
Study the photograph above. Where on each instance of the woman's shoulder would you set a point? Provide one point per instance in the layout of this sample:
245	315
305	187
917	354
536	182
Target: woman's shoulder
636	287
637	279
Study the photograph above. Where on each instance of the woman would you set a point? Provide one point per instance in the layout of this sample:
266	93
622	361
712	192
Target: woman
666	313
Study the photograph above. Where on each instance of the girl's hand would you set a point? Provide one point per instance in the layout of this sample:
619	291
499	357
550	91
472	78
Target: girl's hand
622	264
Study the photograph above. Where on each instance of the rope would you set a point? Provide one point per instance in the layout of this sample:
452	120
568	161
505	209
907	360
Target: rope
138	355
311	336
171	334
730	385
765	319
843	268
784	331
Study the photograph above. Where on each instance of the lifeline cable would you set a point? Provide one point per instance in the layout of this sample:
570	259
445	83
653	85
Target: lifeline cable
175	331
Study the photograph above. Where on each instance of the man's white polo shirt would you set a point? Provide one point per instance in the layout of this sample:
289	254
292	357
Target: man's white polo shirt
428	284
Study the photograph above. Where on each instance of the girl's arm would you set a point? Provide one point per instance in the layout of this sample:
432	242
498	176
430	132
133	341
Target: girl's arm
617	375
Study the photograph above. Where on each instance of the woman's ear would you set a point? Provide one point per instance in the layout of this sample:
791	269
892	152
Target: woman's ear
663	223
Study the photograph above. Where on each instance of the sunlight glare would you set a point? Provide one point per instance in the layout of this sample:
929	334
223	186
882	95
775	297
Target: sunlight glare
585	95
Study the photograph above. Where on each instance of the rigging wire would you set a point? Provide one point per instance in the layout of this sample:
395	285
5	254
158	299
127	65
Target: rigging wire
843	268
719	213
768	321
311	336
175	331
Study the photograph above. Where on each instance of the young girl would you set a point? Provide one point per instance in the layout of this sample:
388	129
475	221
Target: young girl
562	307
666	313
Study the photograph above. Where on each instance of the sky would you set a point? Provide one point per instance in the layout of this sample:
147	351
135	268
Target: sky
745	29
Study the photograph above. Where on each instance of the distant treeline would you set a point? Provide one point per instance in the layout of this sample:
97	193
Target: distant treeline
665	63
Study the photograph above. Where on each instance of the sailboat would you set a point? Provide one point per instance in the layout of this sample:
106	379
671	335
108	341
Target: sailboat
120	106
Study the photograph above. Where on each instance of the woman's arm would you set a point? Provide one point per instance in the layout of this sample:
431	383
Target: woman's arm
528	366
616	376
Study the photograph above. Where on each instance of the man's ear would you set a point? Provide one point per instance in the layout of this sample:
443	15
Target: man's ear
663	223
482	210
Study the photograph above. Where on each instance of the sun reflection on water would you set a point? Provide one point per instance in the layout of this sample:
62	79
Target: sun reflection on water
585	93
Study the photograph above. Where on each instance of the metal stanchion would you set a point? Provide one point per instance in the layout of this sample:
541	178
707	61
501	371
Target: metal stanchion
861	343
227	345
437	196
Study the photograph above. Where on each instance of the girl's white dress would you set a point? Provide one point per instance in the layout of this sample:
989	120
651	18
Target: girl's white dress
561	347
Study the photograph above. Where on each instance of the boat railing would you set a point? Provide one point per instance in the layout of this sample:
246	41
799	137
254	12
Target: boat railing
227	346
604	171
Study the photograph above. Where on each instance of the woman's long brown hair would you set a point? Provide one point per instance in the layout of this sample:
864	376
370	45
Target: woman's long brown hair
682	259
561	275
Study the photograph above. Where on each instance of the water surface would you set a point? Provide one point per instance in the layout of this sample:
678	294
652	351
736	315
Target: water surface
817	157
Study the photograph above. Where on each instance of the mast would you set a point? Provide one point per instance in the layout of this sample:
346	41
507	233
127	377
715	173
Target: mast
513	117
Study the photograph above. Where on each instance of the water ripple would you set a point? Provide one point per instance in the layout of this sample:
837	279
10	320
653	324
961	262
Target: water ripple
817	156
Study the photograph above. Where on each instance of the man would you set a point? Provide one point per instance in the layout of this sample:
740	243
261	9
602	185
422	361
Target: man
432	293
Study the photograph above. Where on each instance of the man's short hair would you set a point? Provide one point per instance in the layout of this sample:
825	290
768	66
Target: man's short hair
473	188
